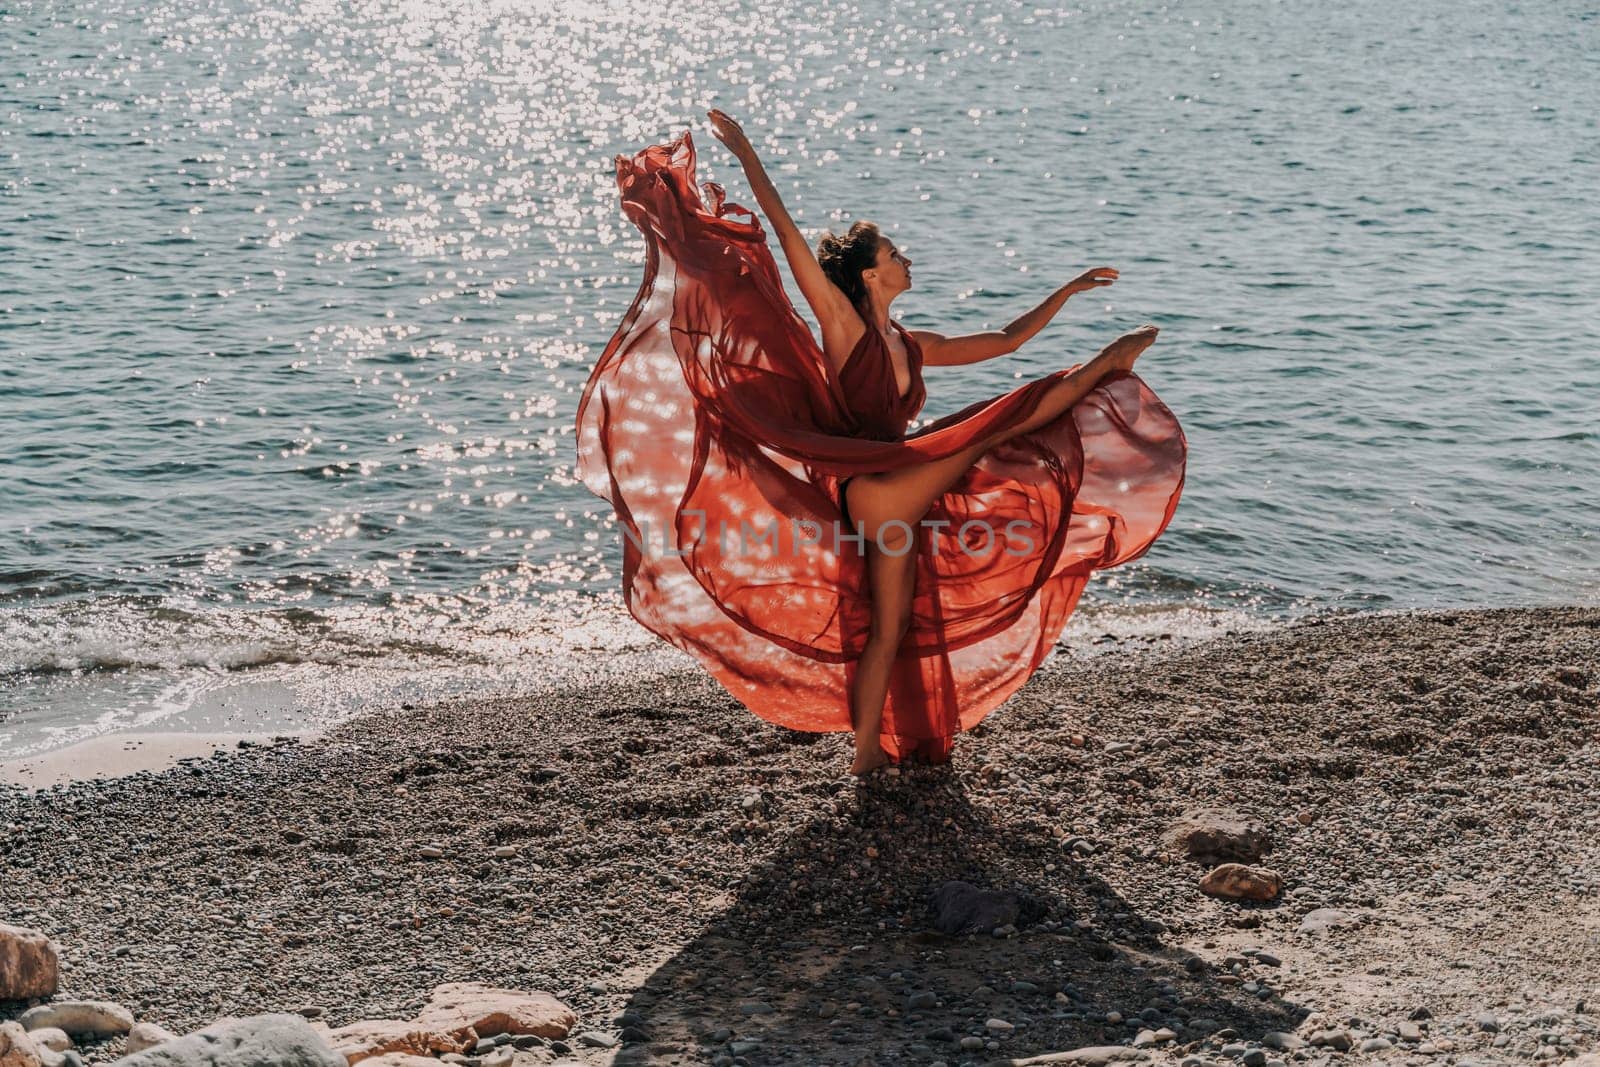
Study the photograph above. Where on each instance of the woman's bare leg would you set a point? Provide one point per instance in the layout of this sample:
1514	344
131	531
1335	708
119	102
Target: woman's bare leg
892	580
881	502
1119	355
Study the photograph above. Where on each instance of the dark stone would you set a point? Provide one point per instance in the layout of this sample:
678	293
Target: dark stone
960	907
1219	835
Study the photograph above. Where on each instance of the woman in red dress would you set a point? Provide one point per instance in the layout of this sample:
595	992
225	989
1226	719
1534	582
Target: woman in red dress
956	553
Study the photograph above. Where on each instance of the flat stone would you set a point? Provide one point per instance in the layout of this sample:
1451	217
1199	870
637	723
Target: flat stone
274	1040
459	1007
1089	1056
87	1018
1314	922
1236	881
378	1037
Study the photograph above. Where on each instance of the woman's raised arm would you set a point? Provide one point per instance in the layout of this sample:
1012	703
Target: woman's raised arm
833	309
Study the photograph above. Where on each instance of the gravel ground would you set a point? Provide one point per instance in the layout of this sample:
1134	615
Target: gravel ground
663	853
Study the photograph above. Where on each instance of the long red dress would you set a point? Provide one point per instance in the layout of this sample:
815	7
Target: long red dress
716	429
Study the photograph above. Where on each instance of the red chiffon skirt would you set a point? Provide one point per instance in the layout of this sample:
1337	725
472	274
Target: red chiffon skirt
716	429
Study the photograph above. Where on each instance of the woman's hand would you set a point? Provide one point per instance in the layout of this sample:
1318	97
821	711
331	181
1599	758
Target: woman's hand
1091	279
730	133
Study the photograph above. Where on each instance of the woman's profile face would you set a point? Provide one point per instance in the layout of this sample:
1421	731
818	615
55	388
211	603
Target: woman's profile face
893	266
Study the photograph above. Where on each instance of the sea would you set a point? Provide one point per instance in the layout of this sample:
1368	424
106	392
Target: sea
297	300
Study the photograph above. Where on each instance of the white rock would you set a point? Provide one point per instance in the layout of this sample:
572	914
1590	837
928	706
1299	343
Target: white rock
147	1035
1325	919
93	1018
276	1040
51	1038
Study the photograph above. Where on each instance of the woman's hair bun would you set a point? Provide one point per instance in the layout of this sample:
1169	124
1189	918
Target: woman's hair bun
844	258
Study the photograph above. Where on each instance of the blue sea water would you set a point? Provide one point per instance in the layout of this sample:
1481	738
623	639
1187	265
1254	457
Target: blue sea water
297	301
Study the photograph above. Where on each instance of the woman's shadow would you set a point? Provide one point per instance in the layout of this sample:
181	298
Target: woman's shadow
831	952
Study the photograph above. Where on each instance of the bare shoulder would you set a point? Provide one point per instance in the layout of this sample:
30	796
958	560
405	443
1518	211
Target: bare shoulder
928	343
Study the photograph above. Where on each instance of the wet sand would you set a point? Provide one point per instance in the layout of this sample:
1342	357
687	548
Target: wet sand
118	754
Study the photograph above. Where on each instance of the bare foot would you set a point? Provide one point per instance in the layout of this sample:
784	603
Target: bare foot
868	760
1121	353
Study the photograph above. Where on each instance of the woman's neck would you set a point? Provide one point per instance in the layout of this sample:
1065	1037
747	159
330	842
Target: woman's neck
879	317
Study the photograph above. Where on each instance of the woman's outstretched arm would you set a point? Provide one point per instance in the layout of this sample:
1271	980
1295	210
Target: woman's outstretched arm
941	351
828	302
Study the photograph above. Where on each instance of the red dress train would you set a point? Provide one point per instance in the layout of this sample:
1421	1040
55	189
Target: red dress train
716	429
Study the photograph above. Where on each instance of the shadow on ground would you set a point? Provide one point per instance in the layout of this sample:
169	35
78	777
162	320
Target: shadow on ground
827	953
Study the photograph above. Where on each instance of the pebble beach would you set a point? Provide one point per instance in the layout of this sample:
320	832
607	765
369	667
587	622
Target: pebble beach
1406	799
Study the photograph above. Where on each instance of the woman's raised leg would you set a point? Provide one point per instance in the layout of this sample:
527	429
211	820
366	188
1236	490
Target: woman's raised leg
1117	356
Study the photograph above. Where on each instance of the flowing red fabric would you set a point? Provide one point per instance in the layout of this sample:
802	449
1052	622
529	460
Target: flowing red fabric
716	429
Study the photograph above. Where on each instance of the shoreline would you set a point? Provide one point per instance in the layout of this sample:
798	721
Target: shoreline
660	851
264	712
123	753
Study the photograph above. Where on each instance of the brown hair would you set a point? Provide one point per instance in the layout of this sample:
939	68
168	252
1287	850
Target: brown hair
844	258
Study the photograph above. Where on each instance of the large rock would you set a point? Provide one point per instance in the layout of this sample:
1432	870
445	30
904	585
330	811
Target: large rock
1235	881
277	1040
1217	835
468	1010
1090	1056
961	907
30	966
16	1047
80	1018
371	1038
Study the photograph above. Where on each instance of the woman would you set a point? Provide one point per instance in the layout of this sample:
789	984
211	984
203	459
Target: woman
1086	462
